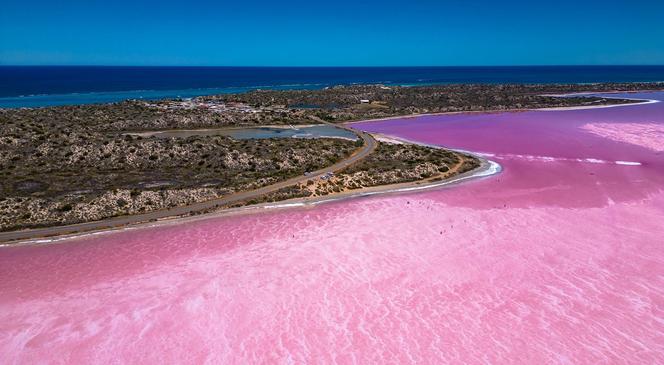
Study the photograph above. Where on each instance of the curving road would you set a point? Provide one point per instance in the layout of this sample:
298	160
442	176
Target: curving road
368	147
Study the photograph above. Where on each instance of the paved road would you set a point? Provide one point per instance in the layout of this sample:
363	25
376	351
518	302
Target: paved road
368	147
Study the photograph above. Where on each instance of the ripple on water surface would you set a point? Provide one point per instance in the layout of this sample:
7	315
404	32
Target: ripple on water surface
558	259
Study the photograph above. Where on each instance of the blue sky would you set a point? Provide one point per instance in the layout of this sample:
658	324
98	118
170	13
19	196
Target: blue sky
338	33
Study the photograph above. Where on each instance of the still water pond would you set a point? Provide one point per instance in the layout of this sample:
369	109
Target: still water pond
316	131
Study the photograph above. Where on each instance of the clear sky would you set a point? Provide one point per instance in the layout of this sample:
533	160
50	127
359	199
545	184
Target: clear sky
333	33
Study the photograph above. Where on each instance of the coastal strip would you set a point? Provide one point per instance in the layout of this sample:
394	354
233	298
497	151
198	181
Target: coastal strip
369	144
486	169
638	101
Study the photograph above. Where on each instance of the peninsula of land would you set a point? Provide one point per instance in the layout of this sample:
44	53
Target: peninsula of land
76	165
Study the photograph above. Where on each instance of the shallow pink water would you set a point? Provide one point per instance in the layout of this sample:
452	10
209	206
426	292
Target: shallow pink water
559	259
649	135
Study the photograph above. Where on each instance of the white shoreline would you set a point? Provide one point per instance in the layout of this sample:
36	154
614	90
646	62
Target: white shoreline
418	115
562	108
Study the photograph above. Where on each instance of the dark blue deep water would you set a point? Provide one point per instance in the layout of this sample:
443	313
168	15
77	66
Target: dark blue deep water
33	86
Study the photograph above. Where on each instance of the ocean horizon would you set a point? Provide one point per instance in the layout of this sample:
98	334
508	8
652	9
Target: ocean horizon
40	86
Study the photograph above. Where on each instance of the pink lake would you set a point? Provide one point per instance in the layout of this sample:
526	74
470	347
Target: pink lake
557	259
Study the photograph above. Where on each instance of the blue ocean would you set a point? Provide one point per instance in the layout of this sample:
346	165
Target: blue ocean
36	86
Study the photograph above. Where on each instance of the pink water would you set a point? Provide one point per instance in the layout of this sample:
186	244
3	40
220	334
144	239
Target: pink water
559	259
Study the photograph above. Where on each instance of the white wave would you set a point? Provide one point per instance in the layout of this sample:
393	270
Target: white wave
285	205
564	159
628	163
